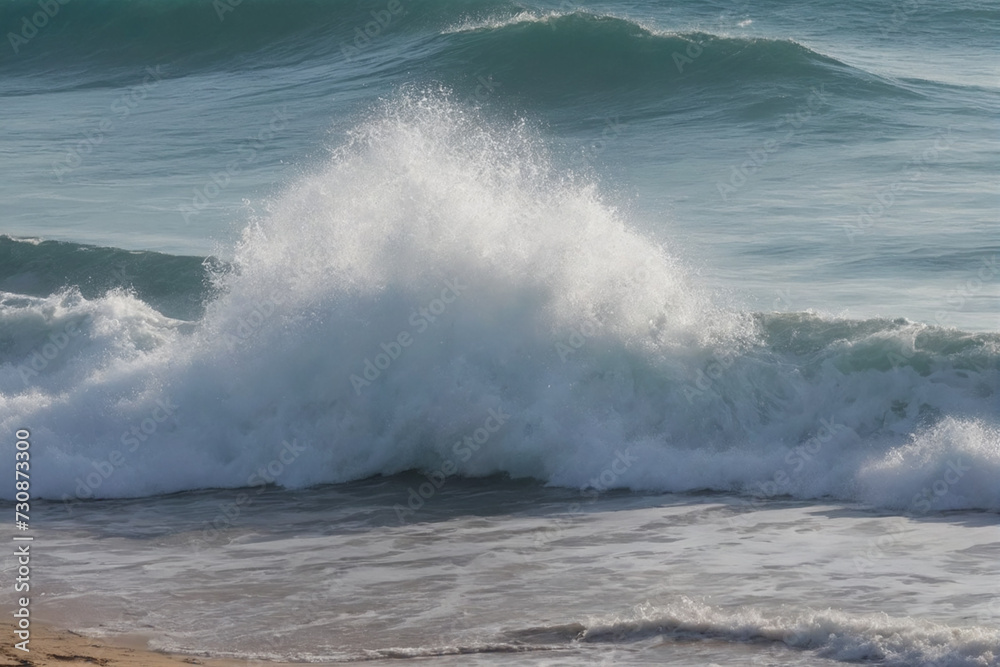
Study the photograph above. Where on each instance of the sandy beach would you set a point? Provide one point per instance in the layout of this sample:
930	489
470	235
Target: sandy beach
51	646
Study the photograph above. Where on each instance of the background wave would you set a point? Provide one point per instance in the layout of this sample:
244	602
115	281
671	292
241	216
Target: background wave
174	285
597	55
195	36
554	57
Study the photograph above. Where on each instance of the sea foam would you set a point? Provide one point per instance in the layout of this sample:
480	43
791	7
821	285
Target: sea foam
439	267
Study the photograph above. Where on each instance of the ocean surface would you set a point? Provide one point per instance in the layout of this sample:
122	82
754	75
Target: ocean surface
490	332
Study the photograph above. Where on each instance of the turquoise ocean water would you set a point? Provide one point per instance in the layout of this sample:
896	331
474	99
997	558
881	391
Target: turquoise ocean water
718	264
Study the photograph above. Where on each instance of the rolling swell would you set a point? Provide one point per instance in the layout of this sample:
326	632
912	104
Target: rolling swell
619	64
198	36
554	58
174	285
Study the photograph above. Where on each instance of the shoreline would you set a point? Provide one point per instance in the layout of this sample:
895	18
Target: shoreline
50	646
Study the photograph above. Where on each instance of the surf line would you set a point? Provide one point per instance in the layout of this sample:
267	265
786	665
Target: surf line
260	480
599	484
88	482
781	482
921	505
463	450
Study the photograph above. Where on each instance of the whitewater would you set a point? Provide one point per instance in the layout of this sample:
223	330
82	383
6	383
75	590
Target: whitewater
501	332
379	308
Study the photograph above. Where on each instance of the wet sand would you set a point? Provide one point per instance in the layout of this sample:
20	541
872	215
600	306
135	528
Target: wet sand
50	646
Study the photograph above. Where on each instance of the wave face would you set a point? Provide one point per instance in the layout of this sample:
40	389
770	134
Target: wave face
439	297
196	36
175	286
556	57
599	57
